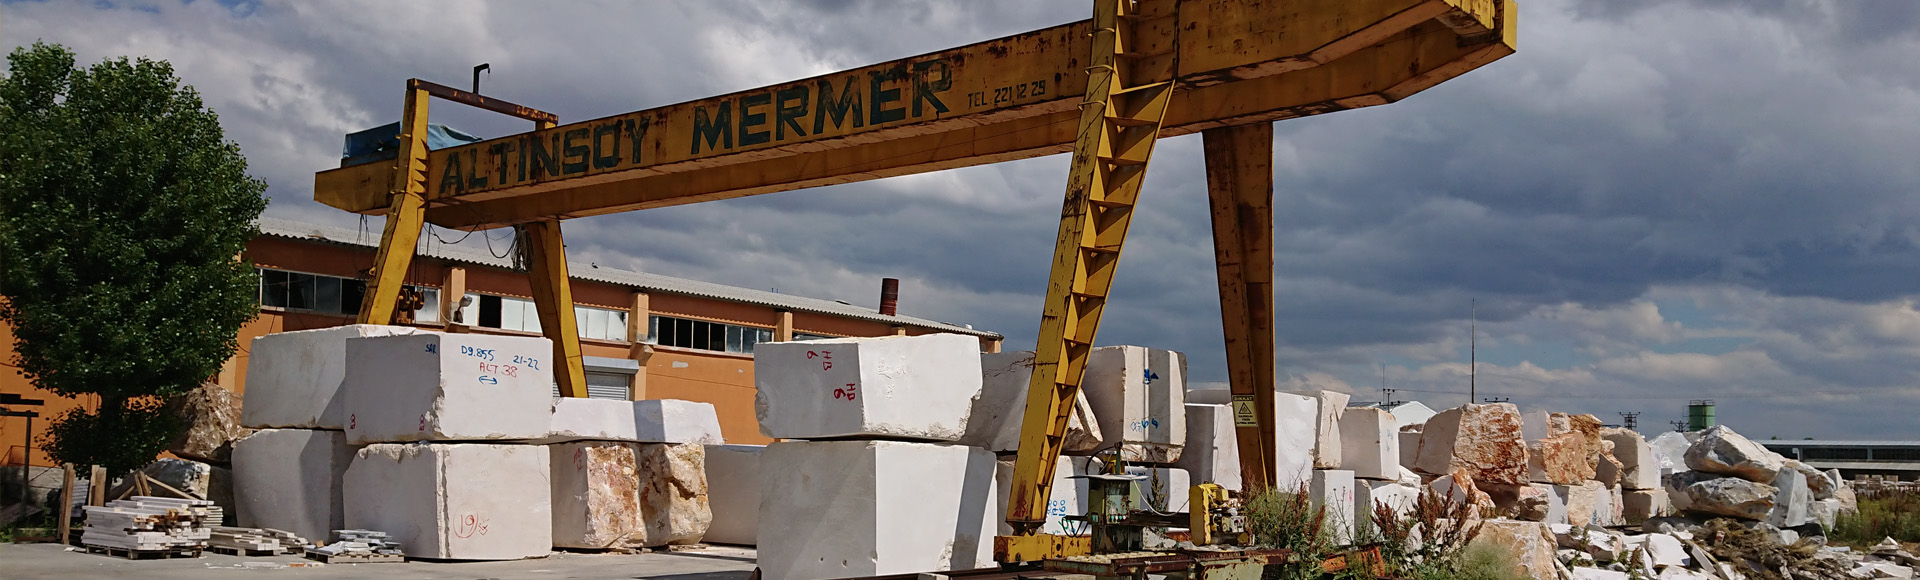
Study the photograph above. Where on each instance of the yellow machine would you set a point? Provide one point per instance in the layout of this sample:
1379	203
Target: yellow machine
1106	89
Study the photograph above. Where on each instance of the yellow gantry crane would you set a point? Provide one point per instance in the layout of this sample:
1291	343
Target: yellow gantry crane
1105	89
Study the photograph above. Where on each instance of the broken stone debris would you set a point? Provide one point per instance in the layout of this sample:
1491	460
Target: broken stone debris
1484	440
995	421
909	387
733	493
1139	396
290	479
854	508
1369	443
1721	451
431	386
1212	451
455	501
294	378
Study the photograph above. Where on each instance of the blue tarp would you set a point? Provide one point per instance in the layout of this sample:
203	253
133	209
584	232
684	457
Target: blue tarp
380	143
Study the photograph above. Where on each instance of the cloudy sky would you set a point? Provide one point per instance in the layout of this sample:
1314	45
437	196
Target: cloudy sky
1651	202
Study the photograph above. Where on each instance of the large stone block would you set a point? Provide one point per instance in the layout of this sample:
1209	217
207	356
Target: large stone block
840	509
1587	503
1732	497
1370	494
294	378
1791	498
1409	448
1639	505
1068	496
908	387
1329	407
211	423
1555	497
673	493
995	421
1484	440
289	479
1332	491
433	386
1609	471
1819	483
733	493
1721	451
1530	544
648	421
1641	460
1212	451
1293	425
1587	426
596	497
1139	395
1671	447
1559	458
1369	444
454	501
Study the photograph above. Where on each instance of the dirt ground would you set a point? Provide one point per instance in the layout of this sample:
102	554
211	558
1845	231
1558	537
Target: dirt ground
53	561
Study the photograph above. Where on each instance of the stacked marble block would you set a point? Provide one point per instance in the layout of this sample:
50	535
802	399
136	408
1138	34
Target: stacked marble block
630	473
867	479
1588	474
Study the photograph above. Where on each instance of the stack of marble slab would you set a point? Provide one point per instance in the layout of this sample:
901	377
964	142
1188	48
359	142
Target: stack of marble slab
867	480
447	420
1311	454
144	523
1370	450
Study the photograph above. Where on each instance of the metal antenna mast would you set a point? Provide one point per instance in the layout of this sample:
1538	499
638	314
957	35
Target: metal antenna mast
1473	350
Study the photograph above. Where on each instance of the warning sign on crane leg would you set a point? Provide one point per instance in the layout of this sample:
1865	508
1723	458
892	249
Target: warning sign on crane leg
1243	415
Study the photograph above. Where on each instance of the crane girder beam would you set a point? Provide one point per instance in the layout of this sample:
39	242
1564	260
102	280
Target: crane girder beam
999	100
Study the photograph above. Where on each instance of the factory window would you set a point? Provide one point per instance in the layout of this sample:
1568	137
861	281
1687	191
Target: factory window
700	334
506	313
810	336
330	294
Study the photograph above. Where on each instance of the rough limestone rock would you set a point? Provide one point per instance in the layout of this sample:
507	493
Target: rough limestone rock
432	386
1843	492
596	500
294	378
1586	503
1531	545
909	387
1212	451
1556	502
1482	439
1369	443
994	423
1641	461
1588	426
1559	458
1676	485
289	479
1370	494
1608	471
1824	512
1671	447
454	501
212	418
1293	425
1458	487
1139	395
1330	407
1639	505
733	493
1533	504
1535	425
1068	496
1331	491
673	493
1818	482
1722	451
1732	497
855	508
1791	499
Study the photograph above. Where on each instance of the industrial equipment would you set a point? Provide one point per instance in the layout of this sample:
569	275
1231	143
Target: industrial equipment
1105	89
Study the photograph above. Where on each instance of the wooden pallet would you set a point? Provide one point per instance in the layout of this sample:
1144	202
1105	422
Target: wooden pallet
326	558
145	554
245	551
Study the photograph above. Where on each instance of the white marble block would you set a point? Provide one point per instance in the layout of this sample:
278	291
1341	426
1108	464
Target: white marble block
1392	495
1140	396
1332	491
1637	455
1294	429
994	424
294	378
1369	445
1067	498
596	499
909	387
432	386
578	419
1212	451
289	479
841	509
677	422
1329	407
733	493
1409	448
454	501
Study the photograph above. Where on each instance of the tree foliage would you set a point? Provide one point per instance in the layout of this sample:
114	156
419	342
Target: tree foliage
123	210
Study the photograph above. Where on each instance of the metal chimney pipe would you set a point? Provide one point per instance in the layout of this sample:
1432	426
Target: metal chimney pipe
889	295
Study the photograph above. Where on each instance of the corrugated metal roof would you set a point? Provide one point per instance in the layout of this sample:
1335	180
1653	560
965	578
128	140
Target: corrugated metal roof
1836	443
640	280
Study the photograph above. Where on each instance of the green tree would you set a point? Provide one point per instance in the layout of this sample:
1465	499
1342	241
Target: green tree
123	210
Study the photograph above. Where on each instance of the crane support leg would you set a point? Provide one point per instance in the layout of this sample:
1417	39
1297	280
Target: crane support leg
405	216
1240	189
1128	88
553	297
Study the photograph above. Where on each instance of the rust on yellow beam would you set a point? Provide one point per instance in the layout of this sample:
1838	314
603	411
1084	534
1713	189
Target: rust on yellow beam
1000	100
406	213
553	298
1240	192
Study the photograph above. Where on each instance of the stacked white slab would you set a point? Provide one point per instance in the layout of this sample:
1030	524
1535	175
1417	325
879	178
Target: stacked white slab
1329	407
294	378
1295	426
913	387
646	421
1068	496
840	509
432	386
733	493
1212	451
1369	444
468	501
995	421
1140	396
289	479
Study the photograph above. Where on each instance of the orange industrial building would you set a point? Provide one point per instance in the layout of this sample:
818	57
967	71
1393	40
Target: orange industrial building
646	336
